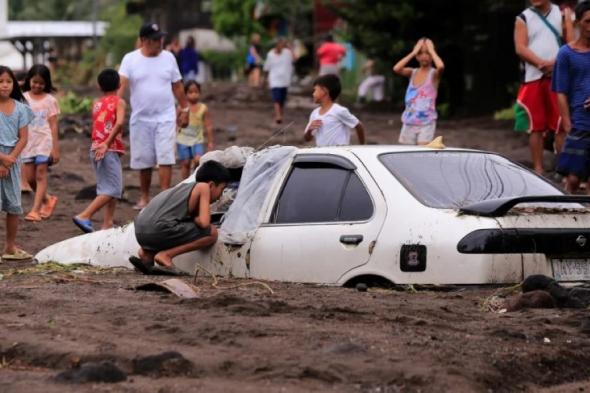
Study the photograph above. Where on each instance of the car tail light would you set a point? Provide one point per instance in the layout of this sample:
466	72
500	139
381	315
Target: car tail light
413	258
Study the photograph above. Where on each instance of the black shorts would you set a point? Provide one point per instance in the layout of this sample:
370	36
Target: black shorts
170	235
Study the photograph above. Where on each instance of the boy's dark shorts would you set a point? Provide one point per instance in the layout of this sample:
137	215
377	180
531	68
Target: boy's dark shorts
169	235
575	157
279	95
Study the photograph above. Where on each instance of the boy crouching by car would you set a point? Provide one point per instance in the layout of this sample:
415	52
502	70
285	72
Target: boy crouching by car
178	220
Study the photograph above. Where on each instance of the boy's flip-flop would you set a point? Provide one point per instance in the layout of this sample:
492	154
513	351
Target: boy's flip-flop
18	255
84	225
48	207
141	265
167	271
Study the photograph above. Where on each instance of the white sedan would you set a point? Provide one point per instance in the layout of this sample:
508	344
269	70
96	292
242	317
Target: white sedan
407	215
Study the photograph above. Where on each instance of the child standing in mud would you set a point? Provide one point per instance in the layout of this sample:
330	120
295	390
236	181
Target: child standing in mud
15	115
42	147
571	82
419	117
330	124
178	220
108	117
190	141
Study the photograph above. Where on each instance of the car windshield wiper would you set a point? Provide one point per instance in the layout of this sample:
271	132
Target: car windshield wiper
499	207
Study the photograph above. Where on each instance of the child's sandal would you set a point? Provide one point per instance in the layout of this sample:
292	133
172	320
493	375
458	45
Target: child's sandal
33	217
48	207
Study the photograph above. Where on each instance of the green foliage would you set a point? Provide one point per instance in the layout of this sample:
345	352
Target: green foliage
71	104
121	34
234	18
50	9
504	114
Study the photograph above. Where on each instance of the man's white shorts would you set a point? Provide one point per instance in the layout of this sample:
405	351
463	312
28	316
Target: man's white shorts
412	135
152	143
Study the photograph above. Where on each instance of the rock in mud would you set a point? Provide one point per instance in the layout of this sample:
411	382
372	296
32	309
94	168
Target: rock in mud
533	299
166	364
93	372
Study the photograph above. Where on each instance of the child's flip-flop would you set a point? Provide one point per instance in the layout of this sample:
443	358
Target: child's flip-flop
48	207
33	217
141	265
84	225
18	255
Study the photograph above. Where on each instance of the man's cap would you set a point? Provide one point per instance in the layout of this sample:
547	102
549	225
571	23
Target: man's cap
151	31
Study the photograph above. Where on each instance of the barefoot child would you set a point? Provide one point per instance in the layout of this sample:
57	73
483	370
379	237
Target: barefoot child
190	142
419	117
330	124
178	220
15	115
42	147
108	115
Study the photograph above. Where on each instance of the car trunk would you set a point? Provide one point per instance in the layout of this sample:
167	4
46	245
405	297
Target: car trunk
553	241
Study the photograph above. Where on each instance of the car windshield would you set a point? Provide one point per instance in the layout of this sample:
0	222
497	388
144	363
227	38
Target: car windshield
453	179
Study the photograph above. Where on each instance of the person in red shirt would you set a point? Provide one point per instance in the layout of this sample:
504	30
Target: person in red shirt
330	54
108	116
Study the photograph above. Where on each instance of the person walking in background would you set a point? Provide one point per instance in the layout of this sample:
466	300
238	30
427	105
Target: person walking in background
173	47
42	147
329	55
190	141
330	123
419	117
15	115
539	31
571	82
279	65
24	184
108	117
189	60
373	83
154	81
254	61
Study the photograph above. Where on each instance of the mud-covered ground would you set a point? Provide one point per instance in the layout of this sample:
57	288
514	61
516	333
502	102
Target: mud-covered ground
237	337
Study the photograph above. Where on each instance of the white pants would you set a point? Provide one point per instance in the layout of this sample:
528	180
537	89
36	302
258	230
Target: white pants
374	83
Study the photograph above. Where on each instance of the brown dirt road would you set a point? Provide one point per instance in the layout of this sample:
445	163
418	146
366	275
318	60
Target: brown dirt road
301	338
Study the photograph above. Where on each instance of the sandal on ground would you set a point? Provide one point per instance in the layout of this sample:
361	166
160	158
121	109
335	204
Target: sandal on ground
48	207
160	270
84	225
140	265
18	255
33	217
139	206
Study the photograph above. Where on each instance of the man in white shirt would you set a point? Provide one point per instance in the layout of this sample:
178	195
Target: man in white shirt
154	80
330	124
279	65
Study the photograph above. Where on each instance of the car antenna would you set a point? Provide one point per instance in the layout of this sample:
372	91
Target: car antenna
275	134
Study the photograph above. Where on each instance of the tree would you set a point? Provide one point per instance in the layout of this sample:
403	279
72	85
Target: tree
235	18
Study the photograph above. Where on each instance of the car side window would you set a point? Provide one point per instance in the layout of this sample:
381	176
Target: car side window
322	193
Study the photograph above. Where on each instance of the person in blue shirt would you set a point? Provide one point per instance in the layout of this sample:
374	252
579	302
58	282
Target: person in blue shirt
189	60
571	82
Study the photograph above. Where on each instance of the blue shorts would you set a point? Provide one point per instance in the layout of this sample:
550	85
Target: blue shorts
109	174
575	157
279	95
186	152
37	160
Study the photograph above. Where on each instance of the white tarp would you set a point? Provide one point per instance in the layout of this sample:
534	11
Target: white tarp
244	215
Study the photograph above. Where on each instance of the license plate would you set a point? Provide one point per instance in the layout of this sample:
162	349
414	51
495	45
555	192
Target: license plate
571	269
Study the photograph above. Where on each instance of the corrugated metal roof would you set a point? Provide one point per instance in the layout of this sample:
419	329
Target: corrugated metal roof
50	29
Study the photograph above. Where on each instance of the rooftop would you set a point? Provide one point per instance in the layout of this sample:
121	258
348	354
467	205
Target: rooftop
14	30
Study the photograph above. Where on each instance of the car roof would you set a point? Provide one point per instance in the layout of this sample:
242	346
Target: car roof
379	149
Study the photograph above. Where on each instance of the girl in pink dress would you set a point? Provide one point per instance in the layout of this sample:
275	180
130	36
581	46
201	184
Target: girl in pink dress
42	147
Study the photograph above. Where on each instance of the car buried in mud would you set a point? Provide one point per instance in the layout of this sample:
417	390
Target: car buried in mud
407	215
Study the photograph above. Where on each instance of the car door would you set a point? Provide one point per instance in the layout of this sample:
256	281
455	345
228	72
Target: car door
324	222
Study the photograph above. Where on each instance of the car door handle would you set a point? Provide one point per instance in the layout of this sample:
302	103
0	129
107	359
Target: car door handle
351	239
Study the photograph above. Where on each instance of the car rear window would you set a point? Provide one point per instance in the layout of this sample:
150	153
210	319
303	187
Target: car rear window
452	179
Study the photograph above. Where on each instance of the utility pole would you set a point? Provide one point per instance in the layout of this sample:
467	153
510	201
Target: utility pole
94	21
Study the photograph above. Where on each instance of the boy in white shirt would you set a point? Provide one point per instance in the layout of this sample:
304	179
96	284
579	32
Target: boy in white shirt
330	124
